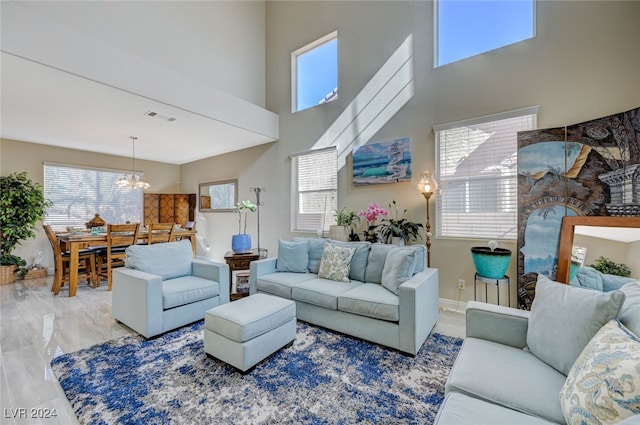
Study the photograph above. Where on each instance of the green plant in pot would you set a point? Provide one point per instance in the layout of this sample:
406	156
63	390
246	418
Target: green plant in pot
607	266
22	205
343	229
242	241
394	227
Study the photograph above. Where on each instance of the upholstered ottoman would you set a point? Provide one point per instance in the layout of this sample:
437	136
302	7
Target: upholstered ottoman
247	331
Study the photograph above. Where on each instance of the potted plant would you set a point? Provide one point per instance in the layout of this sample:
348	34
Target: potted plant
399	230
607	266
344	222
242	241
371	214
22	205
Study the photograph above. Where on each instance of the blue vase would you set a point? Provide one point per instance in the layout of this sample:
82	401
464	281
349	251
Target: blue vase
241	243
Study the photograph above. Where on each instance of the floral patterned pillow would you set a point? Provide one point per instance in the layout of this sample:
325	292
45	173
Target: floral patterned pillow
603	386
336	262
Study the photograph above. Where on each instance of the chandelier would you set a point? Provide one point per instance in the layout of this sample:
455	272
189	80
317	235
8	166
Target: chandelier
133	180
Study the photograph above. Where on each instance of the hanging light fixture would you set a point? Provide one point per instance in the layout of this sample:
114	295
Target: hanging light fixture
133	180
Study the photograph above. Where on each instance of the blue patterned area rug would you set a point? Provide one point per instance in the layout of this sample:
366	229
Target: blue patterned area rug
323	378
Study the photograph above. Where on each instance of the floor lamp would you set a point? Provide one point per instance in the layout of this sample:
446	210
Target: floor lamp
427	186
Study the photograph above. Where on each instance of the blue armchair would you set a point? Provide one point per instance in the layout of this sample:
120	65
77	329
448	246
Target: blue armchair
163	287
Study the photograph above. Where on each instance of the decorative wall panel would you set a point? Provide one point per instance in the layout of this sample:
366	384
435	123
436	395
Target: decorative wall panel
592	168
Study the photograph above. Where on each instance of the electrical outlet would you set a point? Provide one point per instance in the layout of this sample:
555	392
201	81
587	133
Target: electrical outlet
461	284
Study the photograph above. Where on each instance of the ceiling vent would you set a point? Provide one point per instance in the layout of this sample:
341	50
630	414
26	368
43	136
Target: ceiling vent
159	116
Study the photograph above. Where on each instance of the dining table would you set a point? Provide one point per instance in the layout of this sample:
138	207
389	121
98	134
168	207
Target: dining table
73	242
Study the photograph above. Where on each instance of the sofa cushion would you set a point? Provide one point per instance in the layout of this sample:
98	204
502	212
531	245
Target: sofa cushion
603	386
564	318
420	255
322	292
375	264
398	268
359	260
186	290
630	313
293	256
612	282
496	373
371	300
336	262
588	277
280	284
459	408
168	260
316	246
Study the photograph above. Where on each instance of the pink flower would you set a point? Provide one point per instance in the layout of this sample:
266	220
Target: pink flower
372	213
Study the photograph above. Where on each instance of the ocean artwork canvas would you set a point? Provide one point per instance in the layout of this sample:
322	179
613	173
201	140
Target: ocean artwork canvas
382	162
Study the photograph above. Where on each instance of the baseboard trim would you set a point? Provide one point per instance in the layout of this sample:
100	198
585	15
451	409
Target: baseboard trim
453	306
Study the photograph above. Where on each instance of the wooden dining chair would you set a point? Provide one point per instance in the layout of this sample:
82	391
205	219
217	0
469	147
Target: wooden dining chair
119	237
160	232
86	266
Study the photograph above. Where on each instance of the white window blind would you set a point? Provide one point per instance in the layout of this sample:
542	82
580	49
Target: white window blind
78	193
314	180
477	172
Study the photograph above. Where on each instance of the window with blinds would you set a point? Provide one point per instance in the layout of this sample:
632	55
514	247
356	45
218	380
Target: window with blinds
314	180
477	172
78	193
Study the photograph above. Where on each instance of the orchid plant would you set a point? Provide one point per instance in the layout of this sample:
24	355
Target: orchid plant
244	208
371	214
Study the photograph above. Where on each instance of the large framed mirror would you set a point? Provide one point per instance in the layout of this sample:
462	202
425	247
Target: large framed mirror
220	196
594	235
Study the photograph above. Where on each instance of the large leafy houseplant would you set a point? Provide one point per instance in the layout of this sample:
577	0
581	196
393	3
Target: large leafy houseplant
607	266
22	205
392	226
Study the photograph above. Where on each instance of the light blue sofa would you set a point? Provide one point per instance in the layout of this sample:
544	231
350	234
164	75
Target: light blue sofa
362	307
163	287
513	363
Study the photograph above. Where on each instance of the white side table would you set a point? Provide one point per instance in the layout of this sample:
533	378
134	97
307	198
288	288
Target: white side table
491	281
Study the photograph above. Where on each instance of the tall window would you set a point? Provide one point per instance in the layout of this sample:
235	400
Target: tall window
477	171
314	180
79	193
314	73
468	28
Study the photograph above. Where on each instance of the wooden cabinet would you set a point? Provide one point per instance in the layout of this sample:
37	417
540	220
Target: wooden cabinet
169	208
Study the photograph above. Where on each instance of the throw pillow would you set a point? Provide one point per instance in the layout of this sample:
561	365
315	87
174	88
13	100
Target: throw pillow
293	256
564	318
359	260
421	256
398	268
316	245
375	263
603	386
336	262
630	313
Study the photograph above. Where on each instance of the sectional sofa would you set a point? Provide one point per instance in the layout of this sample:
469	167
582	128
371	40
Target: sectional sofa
387	295
574	358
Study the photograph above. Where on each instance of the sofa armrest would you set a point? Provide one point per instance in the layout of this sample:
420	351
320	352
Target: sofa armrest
259	268
419	299
496	323
137	300
216	271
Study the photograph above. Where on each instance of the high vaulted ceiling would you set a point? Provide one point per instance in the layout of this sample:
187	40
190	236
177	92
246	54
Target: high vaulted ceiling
84	75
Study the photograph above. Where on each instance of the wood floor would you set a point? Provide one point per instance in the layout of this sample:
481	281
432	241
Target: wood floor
36	326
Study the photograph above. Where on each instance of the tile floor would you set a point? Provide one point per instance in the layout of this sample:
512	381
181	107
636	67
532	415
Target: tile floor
36	326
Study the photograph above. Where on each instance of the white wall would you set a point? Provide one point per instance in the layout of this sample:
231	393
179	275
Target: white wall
581	65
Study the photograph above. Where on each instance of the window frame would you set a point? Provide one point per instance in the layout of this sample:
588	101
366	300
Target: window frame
326	217
436	35
497	179
294	70
137	216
